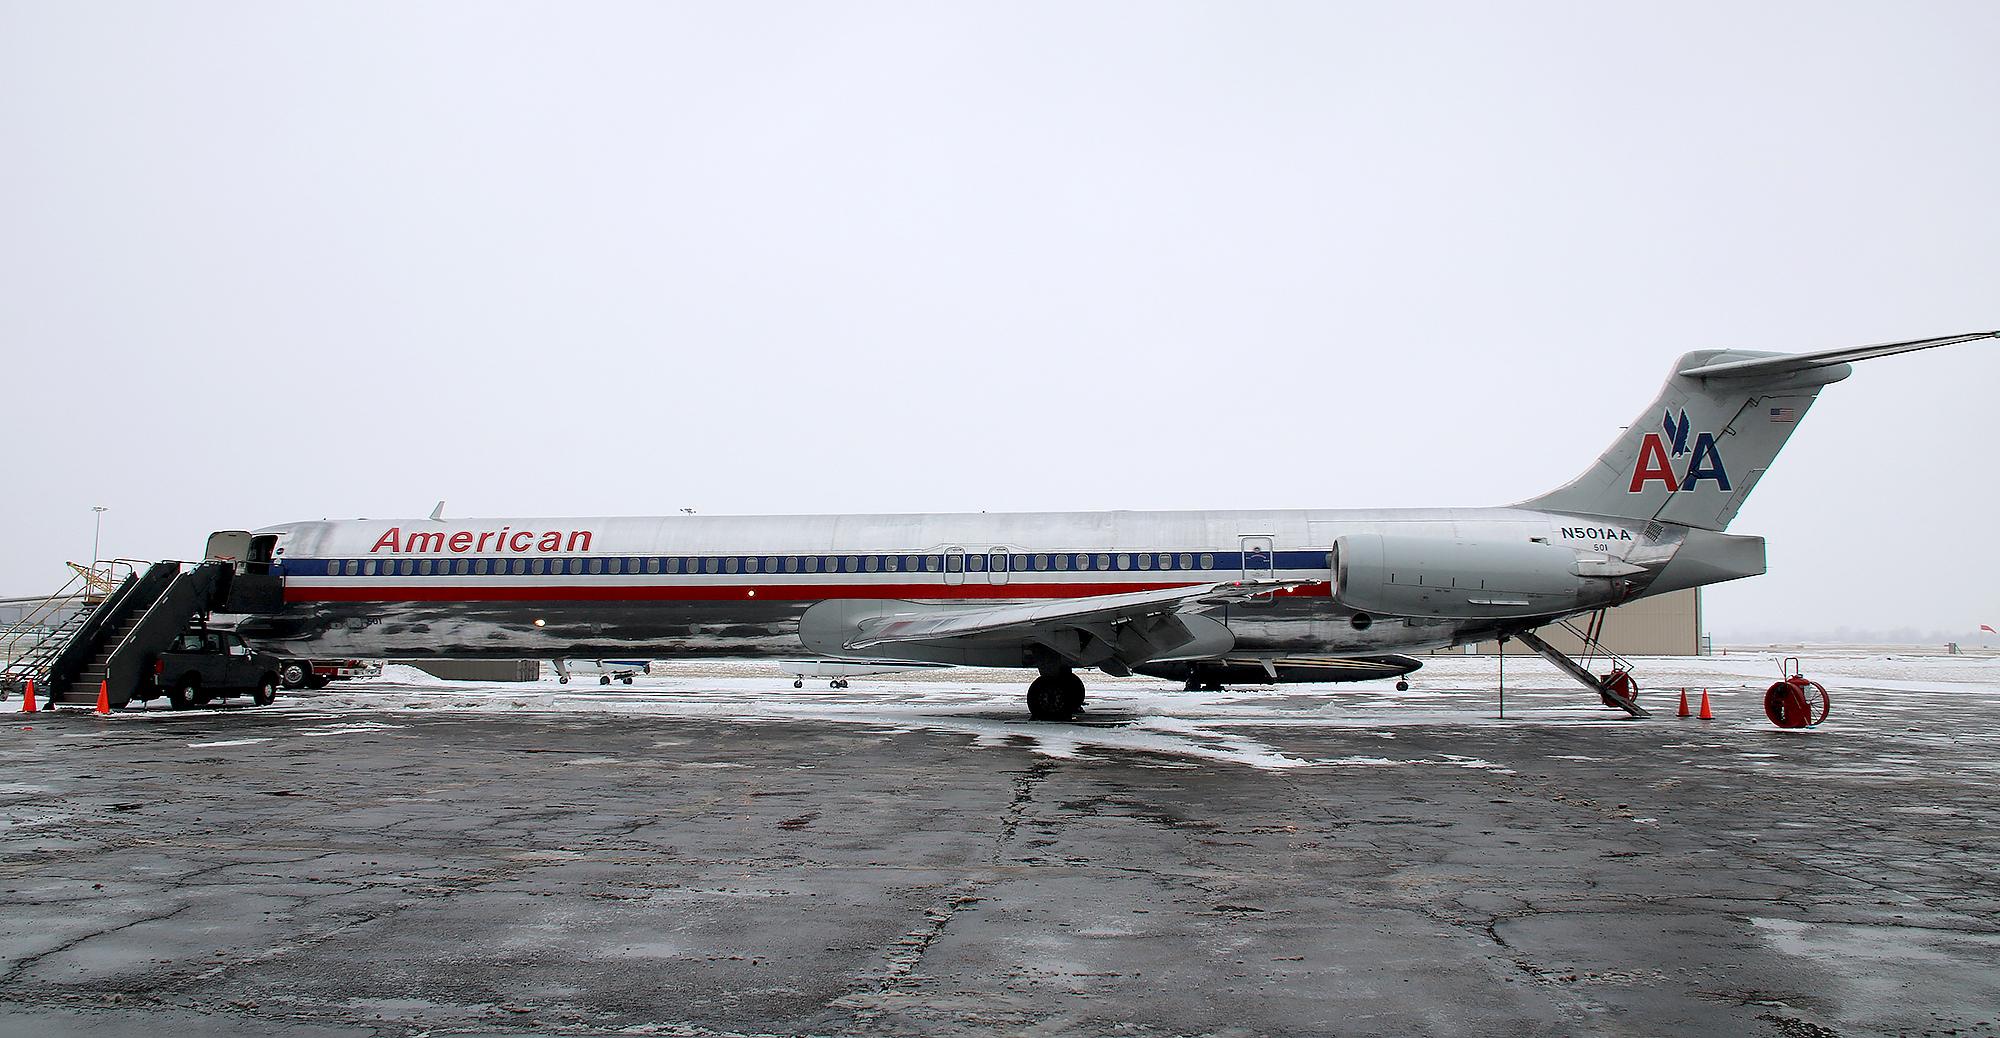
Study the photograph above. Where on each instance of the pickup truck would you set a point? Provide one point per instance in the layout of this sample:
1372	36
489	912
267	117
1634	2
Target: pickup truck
201	666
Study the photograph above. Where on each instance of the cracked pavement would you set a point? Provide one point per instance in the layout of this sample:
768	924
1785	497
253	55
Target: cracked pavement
397	870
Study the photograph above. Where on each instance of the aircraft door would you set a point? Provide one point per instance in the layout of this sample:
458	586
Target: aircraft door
996	566
954	566
227	546
1260	562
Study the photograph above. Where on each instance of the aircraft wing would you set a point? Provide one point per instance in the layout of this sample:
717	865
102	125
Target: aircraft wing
1787	363
1029	618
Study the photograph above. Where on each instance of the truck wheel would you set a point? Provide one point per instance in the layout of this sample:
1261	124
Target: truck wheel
295	674
180	695
267	691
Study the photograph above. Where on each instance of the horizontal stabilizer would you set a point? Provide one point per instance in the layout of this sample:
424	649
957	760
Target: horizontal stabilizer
1789	363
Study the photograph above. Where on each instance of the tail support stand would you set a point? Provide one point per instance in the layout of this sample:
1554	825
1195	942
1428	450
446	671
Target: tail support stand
1615	691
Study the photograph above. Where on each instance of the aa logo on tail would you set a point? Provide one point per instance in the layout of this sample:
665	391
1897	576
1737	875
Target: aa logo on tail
1704	460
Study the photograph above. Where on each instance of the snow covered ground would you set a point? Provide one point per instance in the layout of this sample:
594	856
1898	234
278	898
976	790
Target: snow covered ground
1245	726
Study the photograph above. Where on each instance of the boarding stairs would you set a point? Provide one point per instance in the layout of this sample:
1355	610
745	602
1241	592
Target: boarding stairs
106	641
31	642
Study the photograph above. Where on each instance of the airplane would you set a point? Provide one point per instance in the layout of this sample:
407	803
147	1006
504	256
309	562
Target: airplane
1059	593
607	671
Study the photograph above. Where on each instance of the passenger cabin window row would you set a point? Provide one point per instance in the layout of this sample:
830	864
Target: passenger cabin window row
952	562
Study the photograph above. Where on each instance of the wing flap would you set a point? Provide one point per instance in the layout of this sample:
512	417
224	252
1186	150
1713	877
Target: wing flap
938	623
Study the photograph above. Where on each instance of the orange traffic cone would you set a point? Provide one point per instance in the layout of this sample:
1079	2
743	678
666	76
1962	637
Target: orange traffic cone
104	697
1684	703
1705	715
28	698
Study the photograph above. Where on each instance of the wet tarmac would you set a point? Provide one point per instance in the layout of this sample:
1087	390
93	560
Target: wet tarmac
718	854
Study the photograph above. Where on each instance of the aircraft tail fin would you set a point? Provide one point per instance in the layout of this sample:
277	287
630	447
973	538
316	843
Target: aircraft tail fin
1693	456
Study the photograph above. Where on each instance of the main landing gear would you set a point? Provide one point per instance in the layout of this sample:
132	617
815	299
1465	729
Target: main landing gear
1618	690
1055	696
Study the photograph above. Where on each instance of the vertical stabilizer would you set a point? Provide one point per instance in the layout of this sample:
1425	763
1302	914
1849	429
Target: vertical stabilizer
1695	453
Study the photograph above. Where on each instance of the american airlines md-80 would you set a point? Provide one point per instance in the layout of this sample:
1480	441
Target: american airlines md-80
1061	592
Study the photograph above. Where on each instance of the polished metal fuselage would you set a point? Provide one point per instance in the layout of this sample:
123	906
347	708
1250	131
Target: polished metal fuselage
709	586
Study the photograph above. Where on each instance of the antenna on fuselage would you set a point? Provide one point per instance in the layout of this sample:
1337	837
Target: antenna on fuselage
437	514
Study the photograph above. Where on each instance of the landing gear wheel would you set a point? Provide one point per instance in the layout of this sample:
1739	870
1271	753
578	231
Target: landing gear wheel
1074	691
798	682
1055	697
1620	682
1402	686
267	691
627	679
181	694
562	679
604	679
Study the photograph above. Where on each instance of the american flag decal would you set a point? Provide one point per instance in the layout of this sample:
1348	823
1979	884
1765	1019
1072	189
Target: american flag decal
1787	415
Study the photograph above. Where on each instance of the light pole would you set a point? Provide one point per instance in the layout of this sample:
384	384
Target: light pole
97	536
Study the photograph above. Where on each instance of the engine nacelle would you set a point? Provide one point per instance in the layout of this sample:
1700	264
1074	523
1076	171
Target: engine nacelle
1392	575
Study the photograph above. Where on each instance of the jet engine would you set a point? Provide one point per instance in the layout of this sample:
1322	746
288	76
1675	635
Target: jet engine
1396	575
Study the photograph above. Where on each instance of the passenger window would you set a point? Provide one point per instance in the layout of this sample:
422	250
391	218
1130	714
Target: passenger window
711	565
673	565
854	564
998	560
931	563
652	565
1021	564
1146	561
954	563
1083	562
1062	561
1207	561
1124	562
424	567
1187	561
976	563
1104	562
791	563
750	564
889	563
597	565
614	566
406	567
729	564
520	566
910	563
872	562
812	564
1041	562
353	567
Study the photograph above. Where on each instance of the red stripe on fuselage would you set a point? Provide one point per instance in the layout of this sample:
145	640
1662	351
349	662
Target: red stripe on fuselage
727	593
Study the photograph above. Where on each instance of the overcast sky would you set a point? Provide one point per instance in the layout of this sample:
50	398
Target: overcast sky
267	262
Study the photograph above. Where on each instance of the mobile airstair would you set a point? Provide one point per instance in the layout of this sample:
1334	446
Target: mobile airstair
98	632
